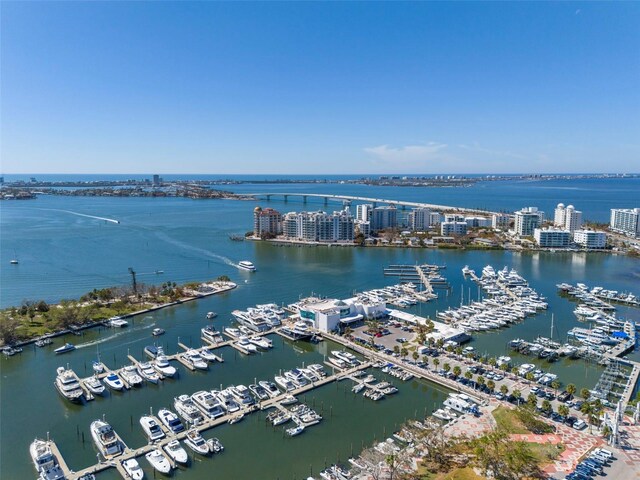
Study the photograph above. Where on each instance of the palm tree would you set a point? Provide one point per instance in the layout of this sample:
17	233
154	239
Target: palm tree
481	380
504	367
396	349
425	360
491	384
457	371
555	385
585	393
415	355
517	394
563	410
440	343
514	370
436	362
468	375
458	350
493	362
532	401
587	409
571	389
529	376
446	367
504	389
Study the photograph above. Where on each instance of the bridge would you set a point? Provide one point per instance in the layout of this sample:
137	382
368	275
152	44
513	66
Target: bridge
349	198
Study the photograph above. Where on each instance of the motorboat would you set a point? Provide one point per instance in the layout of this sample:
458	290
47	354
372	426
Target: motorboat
288	400
346	357
227	400
193	358
68	385
113	381
195	442
45	461
293	431
318	369
232	332
133	469
243	395
442	415
118	322
147	372
296	377
235	418
270	388
211	315
247	265
215	445
259	392
163	366
209	404
105	438
176	452
158	461
279	418
262	342
336	362
284	383
151	428
211	334
67	347
151	351
208	355
187	409
170	420
156	332
94	385
130	375
246	345
43	342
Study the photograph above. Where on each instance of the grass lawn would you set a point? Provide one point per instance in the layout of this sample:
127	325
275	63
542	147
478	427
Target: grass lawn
455	474
508	420
546	452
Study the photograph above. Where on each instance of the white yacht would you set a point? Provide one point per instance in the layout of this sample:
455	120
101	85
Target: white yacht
158	461
176	452
187	409
156	332
317	369
296	377
246	345
232	332
292	432
105	438
133	469
163	366
211	334
227	400
195	442
151	428
170	420
146	371
347	357
211	315
284	383
259	392
208	355
336	362
67	347
193	358
94	385
209	404
113	381
68	385
247	265
242	395
262	342
130	375
118	322
270	388
45	462
215	445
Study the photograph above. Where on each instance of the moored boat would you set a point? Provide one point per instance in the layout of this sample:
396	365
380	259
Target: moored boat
195	442
158	461
176	452
170	420
68	385
105	438
44	461
151	428
94	385
113	381
133	469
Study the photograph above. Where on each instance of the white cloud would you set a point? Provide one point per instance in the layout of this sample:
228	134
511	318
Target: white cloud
476	147
408	154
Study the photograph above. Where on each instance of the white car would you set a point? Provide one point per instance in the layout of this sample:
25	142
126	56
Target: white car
579	425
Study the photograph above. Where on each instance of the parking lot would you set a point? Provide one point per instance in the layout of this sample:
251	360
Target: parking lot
391	334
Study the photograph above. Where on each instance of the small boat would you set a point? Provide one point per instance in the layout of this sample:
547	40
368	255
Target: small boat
193	358
13	261
208	355
151	428
288	400
45	462
176	452
233	332
44	342
235	419
212	315
131	376
113	381
151	351
170	420
293	431
94	385
118	322
247	265
105	438
67	347
163	366
195	442
158	461
284	383
133	469
156	332
215	446
246	345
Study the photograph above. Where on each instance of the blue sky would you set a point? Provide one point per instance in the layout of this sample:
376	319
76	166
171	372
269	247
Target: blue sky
333	88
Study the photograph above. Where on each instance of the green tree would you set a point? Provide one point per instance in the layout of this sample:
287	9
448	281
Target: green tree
447	367
493	362
404	352
468	375
517	394
504	389
481	380
492	385
457	371
415	355
532	401
555	385
563	410
497	456
529	376
571	389
585	393
396	349
546	405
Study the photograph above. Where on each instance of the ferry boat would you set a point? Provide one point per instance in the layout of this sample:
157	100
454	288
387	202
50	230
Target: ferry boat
105	438
151	428
176	452
68	385
170	420
67	347
45	462
247	265
158	461
133	469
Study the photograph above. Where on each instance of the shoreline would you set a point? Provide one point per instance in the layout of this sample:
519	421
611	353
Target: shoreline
219	287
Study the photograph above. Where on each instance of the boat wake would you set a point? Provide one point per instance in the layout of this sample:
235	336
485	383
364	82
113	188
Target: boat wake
123	331
112	220
202	251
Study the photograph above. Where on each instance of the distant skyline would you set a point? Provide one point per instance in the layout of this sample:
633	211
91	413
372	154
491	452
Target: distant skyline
319	88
